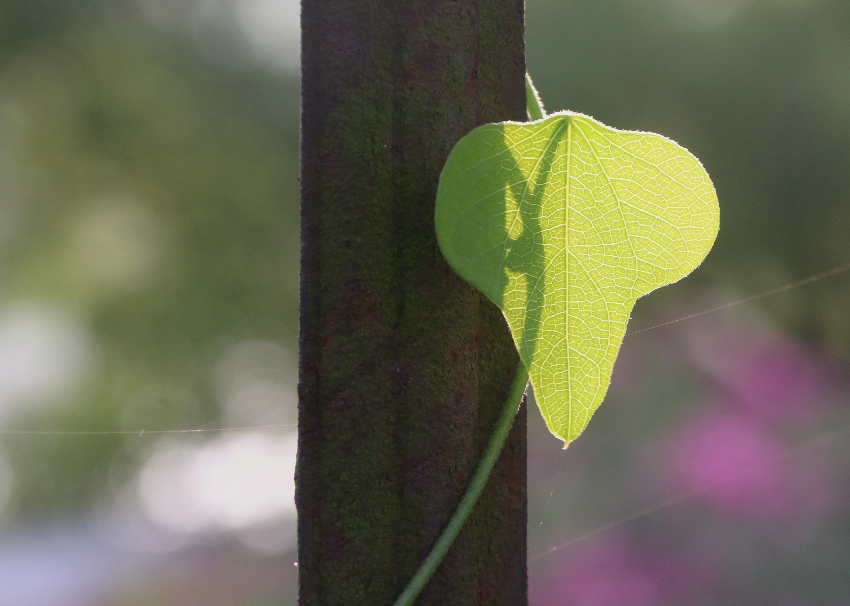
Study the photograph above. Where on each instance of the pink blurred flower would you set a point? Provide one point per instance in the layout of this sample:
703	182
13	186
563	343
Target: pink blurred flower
615	573
784	381
764	371
732	463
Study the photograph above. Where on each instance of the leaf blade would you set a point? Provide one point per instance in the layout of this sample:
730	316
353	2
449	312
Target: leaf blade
564	223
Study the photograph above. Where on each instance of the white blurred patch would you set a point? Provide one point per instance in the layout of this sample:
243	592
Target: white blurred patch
49	565
273	29
270	539
230	483
117	244
257	382
44	354
122	522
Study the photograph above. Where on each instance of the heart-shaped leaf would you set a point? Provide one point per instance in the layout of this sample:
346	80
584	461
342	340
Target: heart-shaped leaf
564	223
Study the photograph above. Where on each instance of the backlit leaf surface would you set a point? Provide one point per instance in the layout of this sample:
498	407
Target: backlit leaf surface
564	223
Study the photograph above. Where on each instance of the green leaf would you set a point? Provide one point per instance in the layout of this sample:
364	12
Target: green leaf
564	223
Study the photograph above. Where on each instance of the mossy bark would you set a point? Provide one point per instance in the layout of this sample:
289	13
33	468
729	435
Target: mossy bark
404	367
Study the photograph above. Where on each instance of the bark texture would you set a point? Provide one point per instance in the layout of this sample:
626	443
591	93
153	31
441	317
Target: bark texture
404	367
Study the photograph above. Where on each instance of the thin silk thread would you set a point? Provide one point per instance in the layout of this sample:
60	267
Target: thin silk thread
835	271
140	432
829	273
814	444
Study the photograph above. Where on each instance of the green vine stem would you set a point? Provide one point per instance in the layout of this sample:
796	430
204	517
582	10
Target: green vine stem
533	104
476	485
494	447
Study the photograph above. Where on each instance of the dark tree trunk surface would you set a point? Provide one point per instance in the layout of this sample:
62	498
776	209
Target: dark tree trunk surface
404	367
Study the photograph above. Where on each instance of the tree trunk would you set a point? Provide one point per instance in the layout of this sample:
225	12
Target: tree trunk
404	367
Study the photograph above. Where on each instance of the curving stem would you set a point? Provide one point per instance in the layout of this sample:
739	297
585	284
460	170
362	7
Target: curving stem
533	104
476	485
535	110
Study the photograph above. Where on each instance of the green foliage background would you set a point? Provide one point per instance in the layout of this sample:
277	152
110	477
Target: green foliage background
108	115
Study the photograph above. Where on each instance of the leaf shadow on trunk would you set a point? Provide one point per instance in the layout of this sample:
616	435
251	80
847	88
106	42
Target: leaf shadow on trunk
527	248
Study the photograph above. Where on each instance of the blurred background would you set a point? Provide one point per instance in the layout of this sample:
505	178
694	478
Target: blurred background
148	281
